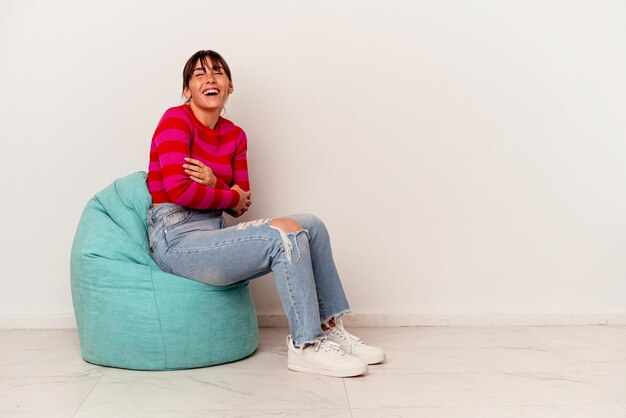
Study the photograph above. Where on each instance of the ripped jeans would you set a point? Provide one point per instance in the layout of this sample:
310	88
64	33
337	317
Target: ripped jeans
196	244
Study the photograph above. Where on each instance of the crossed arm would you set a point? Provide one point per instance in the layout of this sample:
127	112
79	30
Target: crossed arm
203	175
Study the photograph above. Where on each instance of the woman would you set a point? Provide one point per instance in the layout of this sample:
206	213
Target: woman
198	169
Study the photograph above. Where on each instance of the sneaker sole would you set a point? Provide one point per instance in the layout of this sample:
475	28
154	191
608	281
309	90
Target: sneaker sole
305	368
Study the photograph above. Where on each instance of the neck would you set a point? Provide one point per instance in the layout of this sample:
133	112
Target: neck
208	118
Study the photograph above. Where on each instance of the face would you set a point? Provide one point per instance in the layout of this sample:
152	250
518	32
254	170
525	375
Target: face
208	88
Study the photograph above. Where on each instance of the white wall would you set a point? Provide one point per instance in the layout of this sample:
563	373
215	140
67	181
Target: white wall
469	158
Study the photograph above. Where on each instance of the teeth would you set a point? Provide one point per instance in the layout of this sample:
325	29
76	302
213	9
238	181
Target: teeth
210	92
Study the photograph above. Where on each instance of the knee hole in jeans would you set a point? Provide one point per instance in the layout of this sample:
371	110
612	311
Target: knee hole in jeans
286	224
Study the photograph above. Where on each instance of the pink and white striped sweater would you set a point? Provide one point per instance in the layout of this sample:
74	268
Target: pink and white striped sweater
180	134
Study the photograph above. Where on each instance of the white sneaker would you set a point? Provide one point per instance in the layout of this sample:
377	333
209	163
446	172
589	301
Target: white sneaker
325	358
353	345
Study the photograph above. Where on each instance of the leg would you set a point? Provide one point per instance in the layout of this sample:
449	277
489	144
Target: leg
196	245
326	357
228	255
331	296
303	320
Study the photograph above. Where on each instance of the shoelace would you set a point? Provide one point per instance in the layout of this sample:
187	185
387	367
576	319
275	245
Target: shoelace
328	346
345	335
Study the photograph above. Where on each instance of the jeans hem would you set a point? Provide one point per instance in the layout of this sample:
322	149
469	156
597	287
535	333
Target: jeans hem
310	342
335	317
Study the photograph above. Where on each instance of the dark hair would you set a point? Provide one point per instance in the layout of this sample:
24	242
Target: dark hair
203	57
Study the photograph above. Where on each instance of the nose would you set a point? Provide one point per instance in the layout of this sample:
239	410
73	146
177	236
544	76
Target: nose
210	77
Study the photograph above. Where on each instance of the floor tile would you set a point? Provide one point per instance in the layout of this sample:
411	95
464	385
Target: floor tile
557	411
127	392
46	396
613	383
43	363
564	371
41	353
265	358
595	358
473	359
221	413
581	335
473	389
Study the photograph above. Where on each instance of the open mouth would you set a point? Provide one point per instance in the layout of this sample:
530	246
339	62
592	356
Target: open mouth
211	92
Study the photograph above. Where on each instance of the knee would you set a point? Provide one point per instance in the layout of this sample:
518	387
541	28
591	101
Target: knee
308	221
286	224
314	225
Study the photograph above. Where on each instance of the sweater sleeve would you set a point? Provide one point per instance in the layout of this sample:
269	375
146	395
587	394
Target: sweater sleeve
173	138
221	184
240	166
240	163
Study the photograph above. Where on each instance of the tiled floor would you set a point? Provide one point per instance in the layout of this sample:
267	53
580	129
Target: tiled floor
469	372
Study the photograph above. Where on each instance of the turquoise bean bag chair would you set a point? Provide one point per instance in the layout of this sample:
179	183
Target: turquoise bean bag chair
132	315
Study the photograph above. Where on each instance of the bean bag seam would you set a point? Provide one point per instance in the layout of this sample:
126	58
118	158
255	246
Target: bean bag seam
156	305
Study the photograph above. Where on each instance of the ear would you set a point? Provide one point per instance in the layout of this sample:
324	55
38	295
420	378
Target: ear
230	87
187	93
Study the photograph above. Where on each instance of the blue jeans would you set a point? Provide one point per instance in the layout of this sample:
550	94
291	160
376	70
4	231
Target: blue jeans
197	245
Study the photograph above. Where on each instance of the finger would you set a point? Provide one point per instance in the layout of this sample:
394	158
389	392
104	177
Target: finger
195	171
195	162
198	180
192	174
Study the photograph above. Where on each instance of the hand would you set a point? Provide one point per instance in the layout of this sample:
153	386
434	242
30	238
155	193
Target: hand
244	202
199	172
